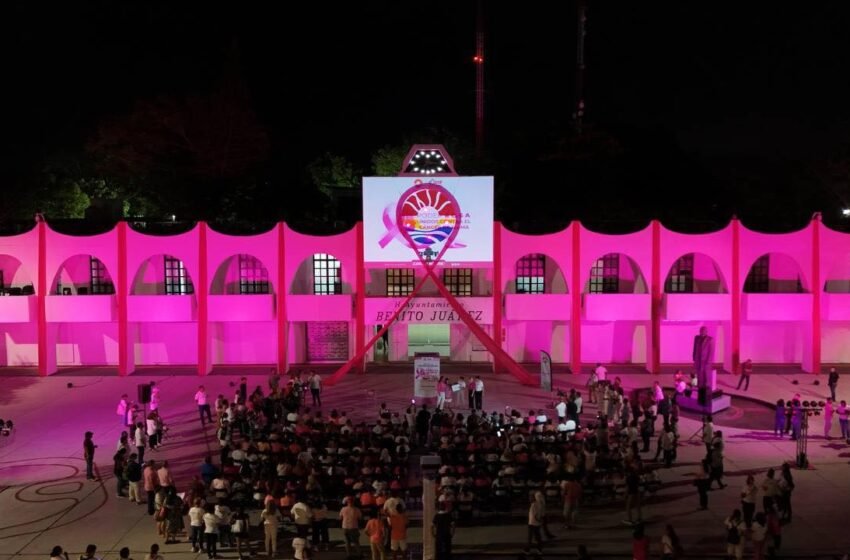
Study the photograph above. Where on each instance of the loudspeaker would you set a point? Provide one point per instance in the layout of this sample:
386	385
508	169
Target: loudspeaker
144	393
703	394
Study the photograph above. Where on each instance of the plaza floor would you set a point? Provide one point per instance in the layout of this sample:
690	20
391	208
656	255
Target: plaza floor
45	499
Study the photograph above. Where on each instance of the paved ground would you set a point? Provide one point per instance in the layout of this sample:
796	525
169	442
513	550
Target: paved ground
45	499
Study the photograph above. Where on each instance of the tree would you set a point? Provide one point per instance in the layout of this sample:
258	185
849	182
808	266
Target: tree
387	161
330	171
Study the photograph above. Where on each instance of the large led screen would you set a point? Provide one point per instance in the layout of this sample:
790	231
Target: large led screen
425	204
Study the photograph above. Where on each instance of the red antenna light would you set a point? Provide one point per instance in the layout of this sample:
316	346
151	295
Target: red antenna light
478	59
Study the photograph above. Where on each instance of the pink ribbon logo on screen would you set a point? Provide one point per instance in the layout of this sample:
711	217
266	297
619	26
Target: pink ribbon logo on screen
428	214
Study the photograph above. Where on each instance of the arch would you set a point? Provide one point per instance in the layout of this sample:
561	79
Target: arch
838	278
150	278
318	274
536	273
774	273
82	275
615	273
242	274
695	273
14	277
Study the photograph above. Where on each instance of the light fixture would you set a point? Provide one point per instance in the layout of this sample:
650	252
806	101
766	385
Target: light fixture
845	212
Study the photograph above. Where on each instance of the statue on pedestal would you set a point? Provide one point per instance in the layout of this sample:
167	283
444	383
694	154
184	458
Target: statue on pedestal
703	359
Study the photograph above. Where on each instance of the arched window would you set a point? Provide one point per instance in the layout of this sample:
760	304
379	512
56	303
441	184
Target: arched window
327	275
531	274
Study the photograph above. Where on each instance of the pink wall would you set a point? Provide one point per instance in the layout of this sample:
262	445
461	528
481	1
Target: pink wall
776	327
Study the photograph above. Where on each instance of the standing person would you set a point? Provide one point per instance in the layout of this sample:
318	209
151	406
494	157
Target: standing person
315	388
443	529
320	525
423	421
133	471
832	382
164	476
702	482
349	517
844	420
398	532
716	461
150	479
461	393
633	495
592	384
151	429
241	529
779	418
758	534
210	530
671	547
470	393
441	393
202	401
271	520
243	391
749	495
535	522
707	434
561	409
786	488
155	402
572	491
119	460
828	411
302	516
141	441
734	535
88	455
196	526
89	554
121	409
375	531
769	491
601	372
479	393
746	372
225	521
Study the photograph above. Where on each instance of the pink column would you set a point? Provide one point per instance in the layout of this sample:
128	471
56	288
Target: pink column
497	292
124	365
817	291
282	323
201	290
655	336
575	312
735	341
360	299
44	367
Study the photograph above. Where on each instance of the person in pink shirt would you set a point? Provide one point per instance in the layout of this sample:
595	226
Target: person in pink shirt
149	475
442	388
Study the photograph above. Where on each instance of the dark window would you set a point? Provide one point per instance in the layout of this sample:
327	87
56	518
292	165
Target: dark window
605	275
327	275
100	282
681	278
400	281
458	281
177	282
531	274
758	280
253	276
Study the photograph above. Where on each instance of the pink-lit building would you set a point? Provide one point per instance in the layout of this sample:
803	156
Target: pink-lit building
129	299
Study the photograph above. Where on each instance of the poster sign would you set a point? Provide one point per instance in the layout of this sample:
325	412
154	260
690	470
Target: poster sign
545	371
427	218
426	374
428	310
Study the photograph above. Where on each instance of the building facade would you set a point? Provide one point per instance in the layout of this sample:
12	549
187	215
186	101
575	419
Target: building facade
127	299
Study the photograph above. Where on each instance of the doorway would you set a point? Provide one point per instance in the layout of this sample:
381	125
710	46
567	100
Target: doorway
429	338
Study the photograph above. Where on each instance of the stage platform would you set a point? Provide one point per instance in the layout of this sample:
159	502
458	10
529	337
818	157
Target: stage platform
47	500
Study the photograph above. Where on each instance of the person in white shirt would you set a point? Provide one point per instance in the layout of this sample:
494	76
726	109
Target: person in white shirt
196	526
210	530
479	393
579	402
301	548
316	388
460	394
225	518
561	409
601	372
203	404
302	516
154	404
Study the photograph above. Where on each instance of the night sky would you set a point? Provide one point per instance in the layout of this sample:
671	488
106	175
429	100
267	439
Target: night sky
712	109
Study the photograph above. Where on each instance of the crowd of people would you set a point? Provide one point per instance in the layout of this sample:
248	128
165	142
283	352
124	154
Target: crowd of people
284	465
